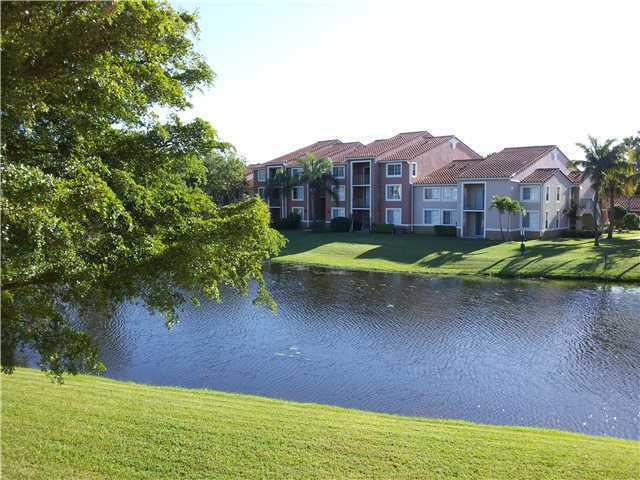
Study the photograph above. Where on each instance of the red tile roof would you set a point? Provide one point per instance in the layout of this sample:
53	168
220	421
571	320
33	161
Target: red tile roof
630	203
576	176
507	162
424	145
448	174
313	148
541	175
384	145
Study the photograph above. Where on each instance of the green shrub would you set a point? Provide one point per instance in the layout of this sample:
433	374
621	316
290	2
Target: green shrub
292	222
617	215
382	228
340	224
445	230
631	221
318	226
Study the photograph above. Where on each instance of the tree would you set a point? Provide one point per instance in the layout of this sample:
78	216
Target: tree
281	183
513	207
225	181
631	151
502	204
317	174
102	202
600	158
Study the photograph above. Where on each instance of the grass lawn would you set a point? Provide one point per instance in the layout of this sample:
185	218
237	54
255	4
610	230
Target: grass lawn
93	427
557	258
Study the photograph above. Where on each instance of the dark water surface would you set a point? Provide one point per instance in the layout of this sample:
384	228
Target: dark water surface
544	354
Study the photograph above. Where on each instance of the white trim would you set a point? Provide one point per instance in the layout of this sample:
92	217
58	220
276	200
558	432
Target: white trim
351	186
547	193
413	168
533	188
386	170
301	199
438	219
293	210
455	220
344	171
451	188
344	212
337	188
386	191
395	209
264	175
530	228
546	220
558	218
435	189
558	193
294	169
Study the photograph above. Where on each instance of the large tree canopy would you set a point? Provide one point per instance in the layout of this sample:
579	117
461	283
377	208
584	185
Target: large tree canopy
102	202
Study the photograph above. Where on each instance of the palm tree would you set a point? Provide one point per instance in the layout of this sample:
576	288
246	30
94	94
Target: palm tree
617	182
502	204
600	158
282	183
513	207
317	174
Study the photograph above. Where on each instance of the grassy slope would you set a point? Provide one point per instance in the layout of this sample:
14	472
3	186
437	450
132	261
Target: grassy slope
98	428
558	258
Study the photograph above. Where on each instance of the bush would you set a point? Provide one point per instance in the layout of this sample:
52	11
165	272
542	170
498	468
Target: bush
631	221
318	226
292	222
617	215
382	228
445	230
579	234
340	224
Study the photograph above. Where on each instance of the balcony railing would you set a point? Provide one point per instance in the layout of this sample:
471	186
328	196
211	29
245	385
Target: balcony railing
361	179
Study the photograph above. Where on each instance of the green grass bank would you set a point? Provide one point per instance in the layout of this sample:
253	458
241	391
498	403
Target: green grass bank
557	258
92	427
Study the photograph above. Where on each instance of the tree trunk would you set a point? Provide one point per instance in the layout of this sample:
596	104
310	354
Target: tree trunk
595	220
500	223
611	212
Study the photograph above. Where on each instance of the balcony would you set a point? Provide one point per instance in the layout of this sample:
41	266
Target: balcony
361	179
474	197
361	197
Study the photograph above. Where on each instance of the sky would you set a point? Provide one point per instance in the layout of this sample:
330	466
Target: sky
494	73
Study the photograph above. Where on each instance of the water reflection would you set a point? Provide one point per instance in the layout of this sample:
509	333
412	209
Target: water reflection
509	352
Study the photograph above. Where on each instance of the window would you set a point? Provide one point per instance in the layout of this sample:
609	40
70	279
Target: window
261	192
297	193
557	218
337	212
450	194
546	194
295	171
557	194
449	217
414	169
431	193
299	211
431	216
338	171
394	170
546	220
260	175
338	191
394	216
530	220
393	193
529	194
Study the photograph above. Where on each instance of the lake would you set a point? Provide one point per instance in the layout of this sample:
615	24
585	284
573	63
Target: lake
535	353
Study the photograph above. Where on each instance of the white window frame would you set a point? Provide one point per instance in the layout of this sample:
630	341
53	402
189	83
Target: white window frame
295	171
261	192
340	188
414	169
546	219
443	194
339	167
533	192
300	210
261	175
557	218
342	209
530	213
437	216
547	193
453	214
386	192
436	198
386	215
558	193
386	170
295	189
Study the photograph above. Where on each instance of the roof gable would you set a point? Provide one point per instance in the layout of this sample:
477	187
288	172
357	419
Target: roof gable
448	174
507	162
387	145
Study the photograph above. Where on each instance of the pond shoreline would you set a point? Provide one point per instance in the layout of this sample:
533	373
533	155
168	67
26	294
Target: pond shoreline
555	259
